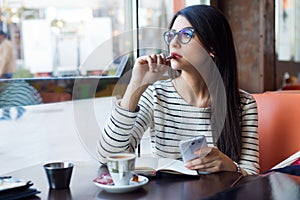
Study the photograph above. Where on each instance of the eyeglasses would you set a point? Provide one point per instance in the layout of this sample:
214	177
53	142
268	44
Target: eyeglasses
185	35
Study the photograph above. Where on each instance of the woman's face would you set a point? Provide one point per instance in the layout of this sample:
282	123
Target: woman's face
192	55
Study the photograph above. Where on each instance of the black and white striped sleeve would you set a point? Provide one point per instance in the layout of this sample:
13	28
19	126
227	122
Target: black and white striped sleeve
124	129
249	161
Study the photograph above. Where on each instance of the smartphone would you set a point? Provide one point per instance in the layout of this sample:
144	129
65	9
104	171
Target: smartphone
189	146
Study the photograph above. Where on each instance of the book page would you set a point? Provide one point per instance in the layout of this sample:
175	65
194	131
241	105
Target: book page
146	163
150	165
174	166
288	161
146	166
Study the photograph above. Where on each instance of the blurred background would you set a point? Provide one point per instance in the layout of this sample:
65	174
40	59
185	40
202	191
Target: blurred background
52	39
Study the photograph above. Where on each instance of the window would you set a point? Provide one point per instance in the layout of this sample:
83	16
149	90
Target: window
287	30
55	38
59	42
153	19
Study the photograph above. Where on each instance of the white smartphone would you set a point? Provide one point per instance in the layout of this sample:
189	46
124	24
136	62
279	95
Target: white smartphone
189	146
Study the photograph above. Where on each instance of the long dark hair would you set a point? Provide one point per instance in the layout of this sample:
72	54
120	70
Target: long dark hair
214	31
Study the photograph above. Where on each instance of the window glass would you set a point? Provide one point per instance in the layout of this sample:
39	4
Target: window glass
55	38
287	30
153	19
194	2
61	46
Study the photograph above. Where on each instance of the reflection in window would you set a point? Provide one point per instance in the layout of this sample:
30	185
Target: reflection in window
57	38
18	93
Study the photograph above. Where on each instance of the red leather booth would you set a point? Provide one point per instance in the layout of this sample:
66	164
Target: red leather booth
278	126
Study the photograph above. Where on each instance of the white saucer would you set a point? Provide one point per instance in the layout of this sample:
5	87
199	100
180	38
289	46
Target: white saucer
125	188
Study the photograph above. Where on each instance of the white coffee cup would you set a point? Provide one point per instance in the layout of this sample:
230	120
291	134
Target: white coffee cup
121	167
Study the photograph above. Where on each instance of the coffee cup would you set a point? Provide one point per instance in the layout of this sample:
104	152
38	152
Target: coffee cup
121	167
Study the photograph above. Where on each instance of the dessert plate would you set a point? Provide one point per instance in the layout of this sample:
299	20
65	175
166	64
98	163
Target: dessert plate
142	180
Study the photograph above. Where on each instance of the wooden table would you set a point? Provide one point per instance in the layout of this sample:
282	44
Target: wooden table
164	187
273	186
223	185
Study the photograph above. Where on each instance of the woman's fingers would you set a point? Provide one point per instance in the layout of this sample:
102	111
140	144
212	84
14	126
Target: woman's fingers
204	151
207	158
213	161
159	60
198	161
204	164
155	62
152	62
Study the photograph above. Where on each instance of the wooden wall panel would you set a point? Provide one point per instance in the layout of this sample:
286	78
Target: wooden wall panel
252	23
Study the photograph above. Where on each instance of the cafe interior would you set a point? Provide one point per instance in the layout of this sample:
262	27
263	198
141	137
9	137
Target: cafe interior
77	56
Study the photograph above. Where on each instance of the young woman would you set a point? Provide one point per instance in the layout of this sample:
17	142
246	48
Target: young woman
182	108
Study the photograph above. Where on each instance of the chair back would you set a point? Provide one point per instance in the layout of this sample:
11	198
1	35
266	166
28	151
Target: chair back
278	126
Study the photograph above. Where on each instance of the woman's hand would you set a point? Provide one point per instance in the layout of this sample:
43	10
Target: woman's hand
148	69
213	161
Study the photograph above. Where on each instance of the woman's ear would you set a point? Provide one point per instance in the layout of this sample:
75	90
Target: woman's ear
212	55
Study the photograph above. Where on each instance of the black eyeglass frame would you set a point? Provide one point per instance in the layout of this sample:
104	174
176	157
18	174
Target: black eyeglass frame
191	33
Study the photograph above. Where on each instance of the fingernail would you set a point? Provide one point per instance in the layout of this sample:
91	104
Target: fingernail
187	165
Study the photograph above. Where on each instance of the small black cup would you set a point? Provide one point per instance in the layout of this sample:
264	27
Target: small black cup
59	174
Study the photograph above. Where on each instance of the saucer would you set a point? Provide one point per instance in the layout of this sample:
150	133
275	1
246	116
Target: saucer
124	188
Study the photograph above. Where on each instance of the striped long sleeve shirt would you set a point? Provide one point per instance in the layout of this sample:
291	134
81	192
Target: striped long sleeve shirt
171	119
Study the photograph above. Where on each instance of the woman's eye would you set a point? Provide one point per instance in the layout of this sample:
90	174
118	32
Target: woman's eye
171	35
185	35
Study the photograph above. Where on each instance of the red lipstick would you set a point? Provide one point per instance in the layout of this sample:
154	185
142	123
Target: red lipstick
173	55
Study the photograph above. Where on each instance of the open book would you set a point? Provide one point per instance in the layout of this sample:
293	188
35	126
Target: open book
149	166
290	160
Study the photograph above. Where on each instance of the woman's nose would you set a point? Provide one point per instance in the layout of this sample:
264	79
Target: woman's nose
175	42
